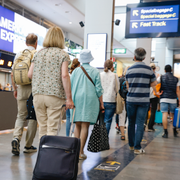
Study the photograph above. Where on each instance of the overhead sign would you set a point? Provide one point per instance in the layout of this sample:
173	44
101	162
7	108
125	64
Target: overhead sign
14	28
154	19
120	51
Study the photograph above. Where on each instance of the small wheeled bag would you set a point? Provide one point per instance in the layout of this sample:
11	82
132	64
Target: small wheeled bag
57	158
176	121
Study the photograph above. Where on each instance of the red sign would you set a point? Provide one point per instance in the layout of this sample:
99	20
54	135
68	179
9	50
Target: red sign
113	59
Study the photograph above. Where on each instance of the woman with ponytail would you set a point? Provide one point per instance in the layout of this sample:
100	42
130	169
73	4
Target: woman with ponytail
108	80
74	65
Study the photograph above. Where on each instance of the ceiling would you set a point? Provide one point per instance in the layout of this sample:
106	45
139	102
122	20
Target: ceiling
59	12
68	13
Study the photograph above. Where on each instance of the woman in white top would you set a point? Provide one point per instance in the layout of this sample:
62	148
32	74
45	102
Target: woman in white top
108	81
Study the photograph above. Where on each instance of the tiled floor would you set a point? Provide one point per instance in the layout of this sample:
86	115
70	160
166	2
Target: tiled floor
161	161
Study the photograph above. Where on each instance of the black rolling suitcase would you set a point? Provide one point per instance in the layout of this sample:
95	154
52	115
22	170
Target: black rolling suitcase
57	159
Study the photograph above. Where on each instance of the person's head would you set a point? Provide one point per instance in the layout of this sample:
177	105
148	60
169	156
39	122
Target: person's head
168	68
1	86
31	40
74	65
85	56
153	66
54	38
139	54
124	73
108	65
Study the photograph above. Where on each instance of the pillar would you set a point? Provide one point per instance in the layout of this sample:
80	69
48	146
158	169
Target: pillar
99	17
160	54
146	44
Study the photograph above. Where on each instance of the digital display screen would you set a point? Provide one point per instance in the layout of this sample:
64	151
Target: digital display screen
149	20
14	28
97	44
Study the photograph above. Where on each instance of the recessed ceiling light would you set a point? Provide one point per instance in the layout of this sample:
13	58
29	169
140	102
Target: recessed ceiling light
67	11
70	22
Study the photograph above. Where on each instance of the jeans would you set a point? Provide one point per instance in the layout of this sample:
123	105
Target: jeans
68	123
166	106
154	103
136	115
110	109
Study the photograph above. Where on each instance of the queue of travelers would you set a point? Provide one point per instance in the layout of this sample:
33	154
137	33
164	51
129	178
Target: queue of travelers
88	91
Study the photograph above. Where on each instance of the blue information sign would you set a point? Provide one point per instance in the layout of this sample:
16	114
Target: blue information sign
154	19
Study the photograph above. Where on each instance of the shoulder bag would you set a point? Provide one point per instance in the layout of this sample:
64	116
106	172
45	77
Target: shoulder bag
99	140
119	100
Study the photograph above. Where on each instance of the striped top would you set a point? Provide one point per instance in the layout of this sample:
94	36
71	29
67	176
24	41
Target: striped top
139	76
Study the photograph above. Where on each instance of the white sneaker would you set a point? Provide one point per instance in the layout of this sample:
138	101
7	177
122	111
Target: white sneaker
30	149
82	156
140	151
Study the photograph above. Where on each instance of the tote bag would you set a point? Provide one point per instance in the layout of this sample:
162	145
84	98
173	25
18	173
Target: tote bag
119	100
99	140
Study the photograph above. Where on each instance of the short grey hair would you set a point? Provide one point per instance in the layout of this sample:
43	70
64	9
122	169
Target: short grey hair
140	53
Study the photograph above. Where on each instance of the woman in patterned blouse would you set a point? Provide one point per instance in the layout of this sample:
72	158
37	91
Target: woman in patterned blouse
50	82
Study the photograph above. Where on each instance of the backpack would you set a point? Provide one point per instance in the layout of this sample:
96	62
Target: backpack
123	89
21	67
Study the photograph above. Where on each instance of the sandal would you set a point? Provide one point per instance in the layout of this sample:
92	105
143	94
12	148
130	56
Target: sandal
123	138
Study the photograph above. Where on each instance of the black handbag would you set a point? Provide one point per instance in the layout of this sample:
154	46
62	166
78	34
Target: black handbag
99	140
30	108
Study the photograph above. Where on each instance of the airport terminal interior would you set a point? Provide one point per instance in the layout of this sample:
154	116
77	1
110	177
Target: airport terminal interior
110	29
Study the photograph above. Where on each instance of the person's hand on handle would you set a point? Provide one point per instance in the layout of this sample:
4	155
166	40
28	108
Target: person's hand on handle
69	104
102	107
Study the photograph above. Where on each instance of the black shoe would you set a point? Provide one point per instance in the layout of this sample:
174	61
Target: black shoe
15	147
175	132
165	135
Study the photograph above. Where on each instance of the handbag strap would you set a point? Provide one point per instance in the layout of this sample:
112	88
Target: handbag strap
85	72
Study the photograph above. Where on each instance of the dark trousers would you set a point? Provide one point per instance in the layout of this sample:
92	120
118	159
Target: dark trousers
154	103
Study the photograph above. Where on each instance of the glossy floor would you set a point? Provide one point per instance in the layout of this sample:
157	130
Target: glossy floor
161	161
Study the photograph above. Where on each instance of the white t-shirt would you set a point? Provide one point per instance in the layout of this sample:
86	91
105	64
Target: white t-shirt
108	81
167	100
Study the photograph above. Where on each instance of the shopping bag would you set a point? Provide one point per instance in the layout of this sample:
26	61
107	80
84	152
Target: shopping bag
99	140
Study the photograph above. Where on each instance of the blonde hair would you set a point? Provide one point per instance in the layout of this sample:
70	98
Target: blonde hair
108	65
75	64
124	73
54	38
